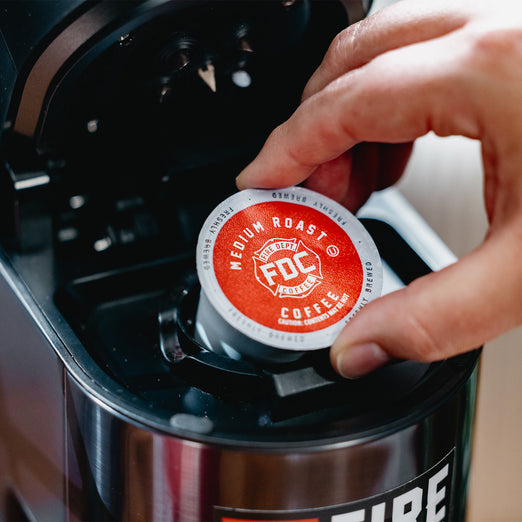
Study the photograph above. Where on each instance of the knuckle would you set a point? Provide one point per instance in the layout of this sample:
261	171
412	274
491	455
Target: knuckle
427	344
344	47
424	345
496	45
332	56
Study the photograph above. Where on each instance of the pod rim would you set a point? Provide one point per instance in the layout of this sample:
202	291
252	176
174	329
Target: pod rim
318	339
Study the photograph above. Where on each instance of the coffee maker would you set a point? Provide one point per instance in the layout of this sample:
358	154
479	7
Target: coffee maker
124	122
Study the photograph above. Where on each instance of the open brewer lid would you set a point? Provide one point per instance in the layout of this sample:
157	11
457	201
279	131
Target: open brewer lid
284	268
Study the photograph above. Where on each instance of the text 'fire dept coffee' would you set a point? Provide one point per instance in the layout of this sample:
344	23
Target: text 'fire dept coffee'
281	272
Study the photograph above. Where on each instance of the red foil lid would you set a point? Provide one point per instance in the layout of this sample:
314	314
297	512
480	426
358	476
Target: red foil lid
287	268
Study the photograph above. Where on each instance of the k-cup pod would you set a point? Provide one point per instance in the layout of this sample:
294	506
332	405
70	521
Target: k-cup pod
281	273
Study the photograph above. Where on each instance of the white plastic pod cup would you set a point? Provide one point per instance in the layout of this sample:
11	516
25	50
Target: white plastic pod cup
281	273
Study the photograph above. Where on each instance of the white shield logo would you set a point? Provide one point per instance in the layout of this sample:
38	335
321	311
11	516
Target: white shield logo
287	268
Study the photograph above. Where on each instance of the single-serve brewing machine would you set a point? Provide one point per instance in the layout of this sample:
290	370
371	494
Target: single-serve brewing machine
124	123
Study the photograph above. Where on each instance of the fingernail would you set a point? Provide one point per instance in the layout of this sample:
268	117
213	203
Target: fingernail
241	181
358	360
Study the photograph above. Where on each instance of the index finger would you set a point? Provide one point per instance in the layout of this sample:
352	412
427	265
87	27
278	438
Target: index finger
395	98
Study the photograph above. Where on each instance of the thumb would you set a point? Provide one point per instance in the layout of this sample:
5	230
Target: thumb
439	315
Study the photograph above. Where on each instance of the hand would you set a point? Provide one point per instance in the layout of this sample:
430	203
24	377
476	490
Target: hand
454	68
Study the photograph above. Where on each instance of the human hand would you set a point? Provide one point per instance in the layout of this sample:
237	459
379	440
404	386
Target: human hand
454	68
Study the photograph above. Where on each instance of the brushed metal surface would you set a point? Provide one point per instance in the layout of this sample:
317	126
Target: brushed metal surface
141	475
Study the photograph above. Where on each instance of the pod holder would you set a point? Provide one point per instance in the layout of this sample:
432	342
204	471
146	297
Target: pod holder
302	385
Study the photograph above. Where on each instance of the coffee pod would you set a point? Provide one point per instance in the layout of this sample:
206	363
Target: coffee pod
281	273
